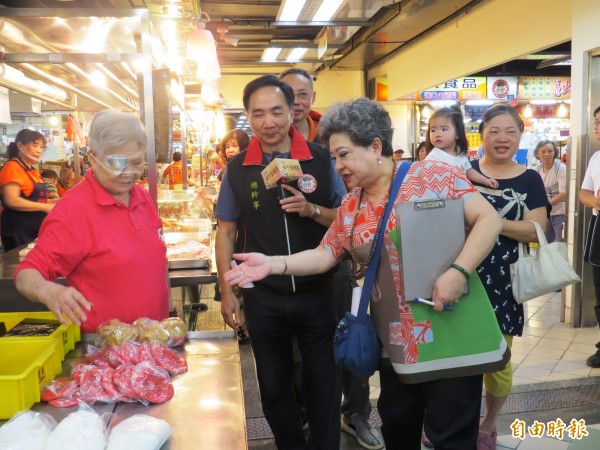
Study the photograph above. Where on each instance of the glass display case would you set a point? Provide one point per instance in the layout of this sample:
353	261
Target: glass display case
187	228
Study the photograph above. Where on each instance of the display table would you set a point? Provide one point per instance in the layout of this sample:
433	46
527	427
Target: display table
207	410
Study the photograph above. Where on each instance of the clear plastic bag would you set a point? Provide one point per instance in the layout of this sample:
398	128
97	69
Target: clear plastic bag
139	432
16	434
83	429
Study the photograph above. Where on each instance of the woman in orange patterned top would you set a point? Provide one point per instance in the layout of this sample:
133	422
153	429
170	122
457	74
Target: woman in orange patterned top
359	134
24	192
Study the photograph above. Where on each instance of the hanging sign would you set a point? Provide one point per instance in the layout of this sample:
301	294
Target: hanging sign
502	88
537	88
467	88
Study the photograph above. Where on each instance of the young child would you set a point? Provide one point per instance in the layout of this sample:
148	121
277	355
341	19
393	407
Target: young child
50	178
447	142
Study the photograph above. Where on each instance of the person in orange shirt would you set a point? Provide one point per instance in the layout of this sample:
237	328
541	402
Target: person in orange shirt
174	171
24	192
65	181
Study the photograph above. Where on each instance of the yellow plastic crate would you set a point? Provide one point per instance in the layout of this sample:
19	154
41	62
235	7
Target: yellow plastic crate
64	334
27	365
74	330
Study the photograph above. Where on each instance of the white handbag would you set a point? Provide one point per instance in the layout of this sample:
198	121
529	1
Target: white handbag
549	270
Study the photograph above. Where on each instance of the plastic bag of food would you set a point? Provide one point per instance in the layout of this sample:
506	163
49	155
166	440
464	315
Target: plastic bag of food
139	432
151	383
150	330
61	393
16	434
115	332
168	359
83	429
177	330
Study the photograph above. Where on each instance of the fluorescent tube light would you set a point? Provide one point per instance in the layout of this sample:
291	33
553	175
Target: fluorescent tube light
479	102
290	10
296	54
544	102
270	54
326	11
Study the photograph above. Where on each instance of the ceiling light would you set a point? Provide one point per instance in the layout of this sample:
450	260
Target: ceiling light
527	111
562	110
327	10
290	10
479	102
270	54
543	102
426	112
209	93
209	70
98	78
296	54
201	44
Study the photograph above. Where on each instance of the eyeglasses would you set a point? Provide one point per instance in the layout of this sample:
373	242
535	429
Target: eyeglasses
116	164
596	123
304	95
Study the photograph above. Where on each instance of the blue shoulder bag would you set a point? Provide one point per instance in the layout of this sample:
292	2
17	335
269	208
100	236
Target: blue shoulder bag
356	346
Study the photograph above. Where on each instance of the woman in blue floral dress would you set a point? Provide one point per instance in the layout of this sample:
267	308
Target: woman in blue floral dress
520	197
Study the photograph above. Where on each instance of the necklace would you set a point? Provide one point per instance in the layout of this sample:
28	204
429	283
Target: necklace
355	259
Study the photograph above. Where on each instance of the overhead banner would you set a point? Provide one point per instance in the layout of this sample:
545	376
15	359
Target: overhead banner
467	88
540	88
502	88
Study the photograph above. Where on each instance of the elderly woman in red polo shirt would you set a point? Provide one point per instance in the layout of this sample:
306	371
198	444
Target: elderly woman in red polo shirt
105	237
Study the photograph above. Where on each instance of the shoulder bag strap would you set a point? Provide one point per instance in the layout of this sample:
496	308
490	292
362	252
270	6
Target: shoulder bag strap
372	269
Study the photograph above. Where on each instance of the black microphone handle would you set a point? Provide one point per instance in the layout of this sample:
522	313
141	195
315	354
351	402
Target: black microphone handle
283	193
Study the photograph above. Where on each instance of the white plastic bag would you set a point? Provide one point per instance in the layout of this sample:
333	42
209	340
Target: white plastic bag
16	434
83	429
139	432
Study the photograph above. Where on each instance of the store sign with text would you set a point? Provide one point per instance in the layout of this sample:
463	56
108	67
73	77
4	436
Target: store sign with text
467	88
538	88
502	88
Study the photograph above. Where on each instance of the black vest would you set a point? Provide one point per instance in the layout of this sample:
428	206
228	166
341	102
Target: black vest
261	225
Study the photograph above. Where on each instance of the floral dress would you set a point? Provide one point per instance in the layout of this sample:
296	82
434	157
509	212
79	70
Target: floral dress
513	198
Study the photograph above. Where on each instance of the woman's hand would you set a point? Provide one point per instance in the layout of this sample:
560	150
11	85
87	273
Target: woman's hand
255	266
448	288
67	304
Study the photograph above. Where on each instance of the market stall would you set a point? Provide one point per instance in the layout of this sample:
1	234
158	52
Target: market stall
207	408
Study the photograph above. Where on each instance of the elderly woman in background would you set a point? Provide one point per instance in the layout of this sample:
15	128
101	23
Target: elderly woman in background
24	192
359	134
66	180
421	151
554	176
105	237
232	143
520	197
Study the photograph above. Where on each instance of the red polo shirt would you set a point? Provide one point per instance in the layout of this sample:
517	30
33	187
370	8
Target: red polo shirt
113	254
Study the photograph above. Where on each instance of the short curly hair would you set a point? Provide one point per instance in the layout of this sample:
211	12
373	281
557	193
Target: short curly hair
362	120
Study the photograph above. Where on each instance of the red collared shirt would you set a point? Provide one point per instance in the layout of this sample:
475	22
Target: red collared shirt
113	254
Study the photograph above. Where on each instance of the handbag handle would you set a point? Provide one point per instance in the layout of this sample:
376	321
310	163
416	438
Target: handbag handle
541	238
365	295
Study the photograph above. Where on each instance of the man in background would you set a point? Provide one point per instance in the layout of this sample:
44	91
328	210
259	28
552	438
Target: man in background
356	405
589	196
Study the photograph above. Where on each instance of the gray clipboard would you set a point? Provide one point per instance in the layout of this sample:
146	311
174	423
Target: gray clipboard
431	234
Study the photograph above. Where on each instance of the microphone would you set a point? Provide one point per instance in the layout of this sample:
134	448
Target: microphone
279	171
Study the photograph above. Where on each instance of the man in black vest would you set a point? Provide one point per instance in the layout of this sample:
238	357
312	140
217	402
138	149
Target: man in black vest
253	218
